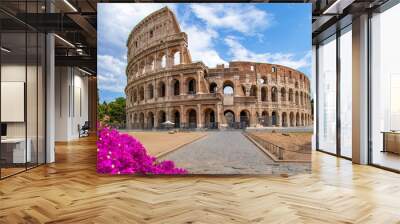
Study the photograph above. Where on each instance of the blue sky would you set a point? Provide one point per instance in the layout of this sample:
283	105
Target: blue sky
217	33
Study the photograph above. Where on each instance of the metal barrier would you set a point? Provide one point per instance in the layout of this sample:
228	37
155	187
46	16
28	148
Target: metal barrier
274	149
279	152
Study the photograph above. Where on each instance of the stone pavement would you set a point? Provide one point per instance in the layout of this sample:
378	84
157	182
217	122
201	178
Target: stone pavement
229	152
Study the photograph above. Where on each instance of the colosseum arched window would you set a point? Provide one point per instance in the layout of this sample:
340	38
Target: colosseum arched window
150	120
297	119
297	97
228	88
301	98
274	94
177	58
274	118
244	118
265	118
209	118
134	96
152	63
283	94
253	90
213	87
191	84
229	118
162	117
291	118
306	98
264	80
264	93
176	118
192	118
296	84
141	120
161	89
135	120
176	87
150	91
163	61
142	67
290	95
273	69
131	100
284	119
141	93
135	71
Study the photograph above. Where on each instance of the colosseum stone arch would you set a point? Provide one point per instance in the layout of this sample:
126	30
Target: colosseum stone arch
164	84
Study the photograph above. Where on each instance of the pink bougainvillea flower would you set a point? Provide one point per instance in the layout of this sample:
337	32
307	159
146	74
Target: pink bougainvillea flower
123	154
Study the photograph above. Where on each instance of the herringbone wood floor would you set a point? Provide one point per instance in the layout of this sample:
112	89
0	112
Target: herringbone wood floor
70	191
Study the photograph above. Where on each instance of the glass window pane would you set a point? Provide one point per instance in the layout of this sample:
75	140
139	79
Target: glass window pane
13	87
327	95
385	88
346	93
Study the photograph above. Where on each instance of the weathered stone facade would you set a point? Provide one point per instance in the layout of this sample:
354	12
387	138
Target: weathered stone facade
163	84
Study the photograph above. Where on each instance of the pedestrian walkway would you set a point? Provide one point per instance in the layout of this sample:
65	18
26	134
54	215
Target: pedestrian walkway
229	152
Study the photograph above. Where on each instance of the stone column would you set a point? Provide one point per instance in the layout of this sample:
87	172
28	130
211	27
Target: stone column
182	60
181	114
168	114
237	115
167	88
145	92
157	63
236	86
146	67
253	118
199	90
218	114
287	96
269	93
167	59
155	93
181	85
279	100
145	118
278	118
199	117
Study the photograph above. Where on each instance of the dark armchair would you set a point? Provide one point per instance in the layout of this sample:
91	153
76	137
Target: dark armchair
84	130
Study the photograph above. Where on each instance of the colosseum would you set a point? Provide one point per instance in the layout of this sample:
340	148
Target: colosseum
164	84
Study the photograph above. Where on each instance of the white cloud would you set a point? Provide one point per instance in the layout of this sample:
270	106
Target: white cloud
116	20
239	52
201	45
246	19
111	76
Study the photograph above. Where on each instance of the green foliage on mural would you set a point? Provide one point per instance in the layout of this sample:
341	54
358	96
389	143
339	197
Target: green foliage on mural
113	113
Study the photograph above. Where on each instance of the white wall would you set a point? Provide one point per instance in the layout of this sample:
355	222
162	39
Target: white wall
71	102
16	73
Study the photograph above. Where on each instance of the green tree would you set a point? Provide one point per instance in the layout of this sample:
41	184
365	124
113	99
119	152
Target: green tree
115	112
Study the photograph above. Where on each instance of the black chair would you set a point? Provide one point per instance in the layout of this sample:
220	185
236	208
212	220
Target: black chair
84	130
